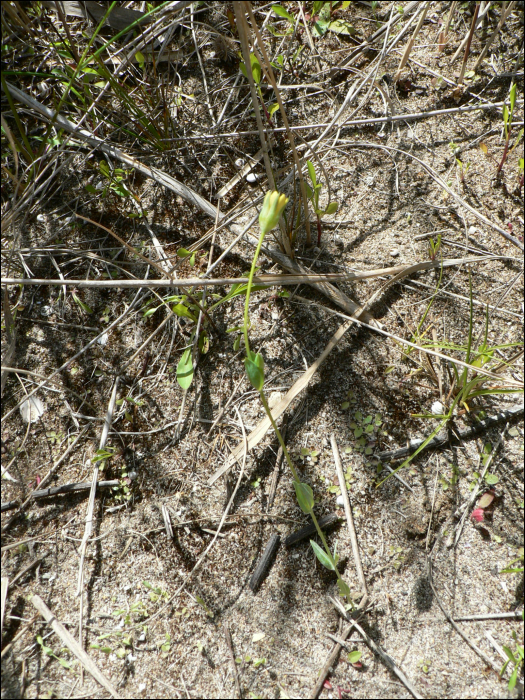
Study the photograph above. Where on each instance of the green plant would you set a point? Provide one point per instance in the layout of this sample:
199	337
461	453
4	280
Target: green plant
434	246
507	125
257	77
273	206
323	21
520	170
465	387
49	652
515	658
313	196
511	569
462	169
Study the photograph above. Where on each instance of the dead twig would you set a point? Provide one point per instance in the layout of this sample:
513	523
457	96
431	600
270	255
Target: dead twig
235	672
350	522
74	647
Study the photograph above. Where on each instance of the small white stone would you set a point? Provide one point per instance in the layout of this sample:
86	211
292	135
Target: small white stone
103	340
340	501
472	231
394	253
252	178
437	408
239	162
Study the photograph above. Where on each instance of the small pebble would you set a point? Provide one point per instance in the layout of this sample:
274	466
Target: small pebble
394	253
340	501
472	231
252	178
239	162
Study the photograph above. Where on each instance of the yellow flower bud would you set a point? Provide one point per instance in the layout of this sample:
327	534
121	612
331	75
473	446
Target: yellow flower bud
273	206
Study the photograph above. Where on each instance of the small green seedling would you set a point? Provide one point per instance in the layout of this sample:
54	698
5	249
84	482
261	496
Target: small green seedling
516	659
462	168
257	77
507	125
434	247
313	196
49	652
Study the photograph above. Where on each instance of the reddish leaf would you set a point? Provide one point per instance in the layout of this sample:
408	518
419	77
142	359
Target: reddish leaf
327	685
477	514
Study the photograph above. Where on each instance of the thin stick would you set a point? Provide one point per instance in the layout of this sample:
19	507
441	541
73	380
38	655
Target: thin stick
444	33
46	478
440	441
350	522
410	44
504	15
359	122
470	643
72	644
235	672
479	486
469	40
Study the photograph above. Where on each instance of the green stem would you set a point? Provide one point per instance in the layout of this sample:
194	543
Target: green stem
296	478
248	292
279	436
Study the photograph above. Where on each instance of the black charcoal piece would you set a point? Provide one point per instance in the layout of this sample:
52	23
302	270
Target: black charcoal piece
310	530
264	562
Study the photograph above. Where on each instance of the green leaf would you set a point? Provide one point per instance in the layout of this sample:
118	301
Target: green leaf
182	310
354	656
311	172
204	343
254	365
185	369
183	253
331	208
339	26
256	68
305	496
491	479
322	556
320	28
344	590
273	108
281	12
512	97
82	304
